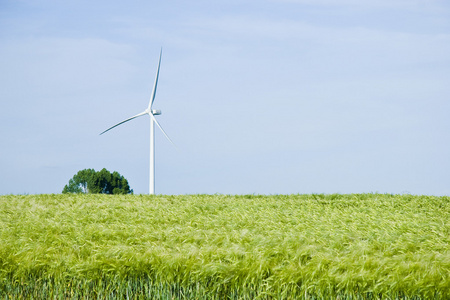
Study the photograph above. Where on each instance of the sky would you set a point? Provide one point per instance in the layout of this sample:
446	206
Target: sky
259	96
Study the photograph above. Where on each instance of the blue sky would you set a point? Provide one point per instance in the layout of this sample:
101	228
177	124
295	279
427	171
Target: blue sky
261	97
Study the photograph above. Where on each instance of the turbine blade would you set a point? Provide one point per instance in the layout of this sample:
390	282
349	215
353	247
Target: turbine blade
133	117
152	98
154	119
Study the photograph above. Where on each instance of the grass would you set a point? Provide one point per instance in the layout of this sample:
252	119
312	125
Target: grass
360	246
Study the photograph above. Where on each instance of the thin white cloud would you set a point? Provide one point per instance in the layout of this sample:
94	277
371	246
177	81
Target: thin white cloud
402	47
55	64
406	4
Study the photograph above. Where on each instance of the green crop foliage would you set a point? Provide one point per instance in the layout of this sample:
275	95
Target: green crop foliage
358	246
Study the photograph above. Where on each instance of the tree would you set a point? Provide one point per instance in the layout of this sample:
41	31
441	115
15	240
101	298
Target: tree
102	182
82	182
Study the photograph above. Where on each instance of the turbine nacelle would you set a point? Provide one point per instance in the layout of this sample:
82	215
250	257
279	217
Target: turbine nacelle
155	112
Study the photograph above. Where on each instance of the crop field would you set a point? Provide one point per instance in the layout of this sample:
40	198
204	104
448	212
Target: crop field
357	246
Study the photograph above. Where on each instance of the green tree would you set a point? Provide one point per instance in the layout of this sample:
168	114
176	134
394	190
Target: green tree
82	182
102	182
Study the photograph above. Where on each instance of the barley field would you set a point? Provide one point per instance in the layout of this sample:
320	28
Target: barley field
356	246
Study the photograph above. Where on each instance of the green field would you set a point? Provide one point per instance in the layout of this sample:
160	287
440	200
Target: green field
359	246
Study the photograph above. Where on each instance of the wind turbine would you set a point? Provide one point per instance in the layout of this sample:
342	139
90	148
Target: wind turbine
152	113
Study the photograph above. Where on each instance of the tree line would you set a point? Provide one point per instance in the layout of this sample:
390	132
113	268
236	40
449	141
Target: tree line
89	181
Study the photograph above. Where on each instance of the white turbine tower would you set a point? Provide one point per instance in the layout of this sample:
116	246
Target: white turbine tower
152	113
